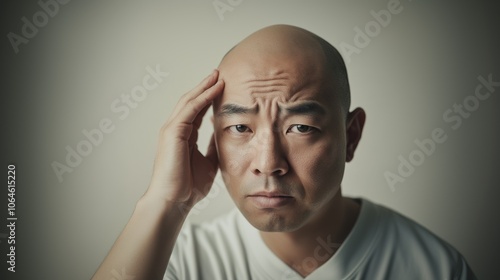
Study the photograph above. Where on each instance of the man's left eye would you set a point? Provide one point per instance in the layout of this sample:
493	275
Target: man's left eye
239	128
300	128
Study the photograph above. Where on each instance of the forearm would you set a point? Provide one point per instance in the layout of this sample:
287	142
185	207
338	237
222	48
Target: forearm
144	247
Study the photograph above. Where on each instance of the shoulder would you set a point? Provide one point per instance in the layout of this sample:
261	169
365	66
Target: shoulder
402	242
410	236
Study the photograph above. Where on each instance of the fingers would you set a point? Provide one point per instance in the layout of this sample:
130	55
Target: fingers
198	120
205	84
198	105
208	82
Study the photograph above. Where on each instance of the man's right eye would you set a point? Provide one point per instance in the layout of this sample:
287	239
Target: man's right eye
239	128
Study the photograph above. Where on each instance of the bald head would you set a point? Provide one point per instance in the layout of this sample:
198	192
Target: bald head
297	48
282	125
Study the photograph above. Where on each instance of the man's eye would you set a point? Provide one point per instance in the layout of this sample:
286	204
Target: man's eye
300	128
239	128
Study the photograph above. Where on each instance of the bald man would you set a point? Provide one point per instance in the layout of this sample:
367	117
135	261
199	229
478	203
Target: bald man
283	132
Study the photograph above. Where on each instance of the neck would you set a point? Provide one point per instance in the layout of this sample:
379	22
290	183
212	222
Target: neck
315	243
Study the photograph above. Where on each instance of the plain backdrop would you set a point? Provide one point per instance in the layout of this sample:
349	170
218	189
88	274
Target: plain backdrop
406	73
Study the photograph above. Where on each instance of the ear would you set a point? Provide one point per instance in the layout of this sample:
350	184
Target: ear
354	129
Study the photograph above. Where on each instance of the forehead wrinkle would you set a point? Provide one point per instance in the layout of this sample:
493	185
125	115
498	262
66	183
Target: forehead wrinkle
278	107
257	86
269	77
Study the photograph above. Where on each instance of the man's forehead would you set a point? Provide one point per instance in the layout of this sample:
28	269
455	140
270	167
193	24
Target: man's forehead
246	63
304	107
282	82
281	63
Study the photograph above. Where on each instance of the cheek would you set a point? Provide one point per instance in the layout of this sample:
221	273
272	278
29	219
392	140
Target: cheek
320	168
231	158
233	162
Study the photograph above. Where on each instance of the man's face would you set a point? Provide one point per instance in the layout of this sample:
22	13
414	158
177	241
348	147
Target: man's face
280	135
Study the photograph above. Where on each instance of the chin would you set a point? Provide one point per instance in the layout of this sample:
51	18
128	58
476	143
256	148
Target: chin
272	220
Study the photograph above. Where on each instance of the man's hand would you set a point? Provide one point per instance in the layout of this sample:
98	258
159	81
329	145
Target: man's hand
181	173
181	177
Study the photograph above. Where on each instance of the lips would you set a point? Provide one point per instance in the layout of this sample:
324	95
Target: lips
266	200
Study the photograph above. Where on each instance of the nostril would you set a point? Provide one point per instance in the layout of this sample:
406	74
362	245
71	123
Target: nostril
279	169
279	172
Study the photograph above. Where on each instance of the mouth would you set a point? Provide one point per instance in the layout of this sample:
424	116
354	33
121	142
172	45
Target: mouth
267	200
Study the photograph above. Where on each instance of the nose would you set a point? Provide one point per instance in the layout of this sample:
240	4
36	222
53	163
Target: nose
270	157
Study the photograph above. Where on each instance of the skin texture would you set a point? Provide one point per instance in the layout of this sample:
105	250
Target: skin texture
282	135
265	148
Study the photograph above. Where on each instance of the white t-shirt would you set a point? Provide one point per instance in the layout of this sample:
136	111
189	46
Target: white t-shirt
382	245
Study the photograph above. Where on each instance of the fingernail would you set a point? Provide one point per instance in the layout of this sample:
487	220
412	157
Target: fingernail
211	74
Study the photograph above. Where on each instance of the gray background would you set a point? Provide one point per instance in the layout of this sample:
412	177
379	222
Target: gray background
66	77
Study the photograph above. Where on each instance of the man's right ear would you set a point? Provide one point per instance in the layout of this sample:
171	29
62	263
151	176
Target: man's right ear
354	129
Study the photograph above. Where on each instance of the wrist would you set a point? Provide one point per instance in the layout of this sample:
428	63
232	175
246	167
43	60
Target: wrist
151	203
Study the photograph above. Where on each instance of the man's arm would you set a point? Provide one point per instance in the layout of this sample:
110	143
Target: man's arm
181	173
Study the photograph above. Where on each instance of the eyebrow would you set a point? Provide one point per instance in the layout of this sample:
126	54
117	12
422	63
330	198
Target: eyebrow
233	109
306	108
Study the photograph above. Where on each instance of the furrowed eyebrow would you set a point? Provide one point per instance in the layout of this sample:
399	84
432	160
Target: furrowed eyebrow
307	108
233	109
